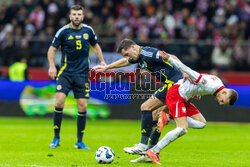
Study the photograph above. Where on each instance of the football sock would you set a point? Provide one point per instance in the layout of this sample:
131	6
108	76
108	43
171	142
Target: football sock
57	121
168	138
192	123
146	125
155	135
81	122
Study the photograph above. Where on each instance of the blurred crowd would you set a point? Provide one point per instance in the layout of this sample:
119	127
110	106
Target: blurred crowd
204	34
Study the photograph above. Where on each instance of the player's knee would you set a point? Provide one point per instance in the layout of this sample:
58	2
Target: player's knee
59	105
82	107
144	106
203	124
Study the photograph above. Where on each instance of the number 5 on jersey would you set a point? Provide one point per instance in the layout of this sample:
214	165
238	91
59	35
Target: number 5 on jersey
78	44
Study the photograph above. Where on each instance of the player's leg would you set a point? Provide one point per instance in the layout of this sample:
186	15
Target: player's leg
153	103
155	134
81	122
146	125
180	130
81	93
60	100
195	118
156	101
62	89
196	121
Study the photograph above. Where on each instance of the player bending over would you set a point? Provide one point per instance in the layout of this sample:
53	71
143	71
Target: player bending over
178	97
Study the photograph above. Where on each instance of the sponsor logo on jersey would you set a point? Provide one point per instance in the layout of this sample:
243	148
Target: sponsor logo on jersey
59	87
78	36
86	36
70	37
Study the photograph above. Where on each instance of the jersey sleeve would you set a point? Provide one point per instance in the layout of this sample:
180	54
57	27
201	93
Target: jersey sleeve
57	41
193	74
92	37
132	61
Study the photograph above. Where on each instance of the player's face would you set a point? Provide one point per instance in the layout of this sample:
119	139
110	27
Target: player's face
76	17
223	97
130	53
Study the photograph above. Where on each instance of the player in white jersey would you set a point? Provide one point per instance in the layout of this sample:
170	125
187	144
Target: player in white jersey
180	108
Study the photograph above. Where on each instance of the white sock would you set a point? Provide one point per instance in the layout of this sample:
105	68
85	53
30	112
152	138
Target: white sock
192	123
168	138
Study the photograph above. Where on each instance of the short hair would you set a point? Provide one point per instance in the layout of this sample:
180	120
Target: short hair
125	44
233	97
77	7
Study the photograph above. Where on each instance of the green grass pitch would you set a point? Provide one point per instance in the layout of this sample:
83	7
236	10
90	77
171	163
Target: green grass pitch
24	142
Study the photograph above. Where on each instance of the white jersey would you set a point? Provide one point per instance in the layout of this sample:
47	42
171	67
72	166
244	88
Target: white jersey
205	84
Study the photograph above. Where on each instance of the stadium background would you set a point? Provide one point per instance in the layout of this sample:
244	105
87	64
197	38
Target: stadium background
195	30
209	36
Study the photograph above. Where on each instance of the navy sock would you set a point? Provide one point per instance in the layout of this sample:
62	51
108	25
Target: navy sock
154	137
81	122
57	123
146	125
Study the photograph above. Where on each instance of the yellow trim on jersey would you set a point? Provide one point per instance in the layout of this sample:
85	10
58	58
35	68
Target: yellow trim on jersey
168	82
168	63
63	67
70	26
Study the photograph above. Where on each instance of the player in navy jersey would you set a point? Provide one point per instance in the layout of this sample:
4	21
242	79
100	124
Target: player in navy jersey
74	39
148	58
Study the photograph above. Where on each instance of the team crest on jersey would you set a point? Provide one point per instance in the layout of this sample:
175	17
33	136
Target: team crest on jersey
204	82
59	87
86	36
184	109
78	36
70	37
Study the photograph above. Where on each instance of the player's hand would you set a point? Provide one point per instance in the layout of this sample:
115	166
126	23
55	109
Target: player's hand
100	68
196	97
103	63
52	72
165	56
187	77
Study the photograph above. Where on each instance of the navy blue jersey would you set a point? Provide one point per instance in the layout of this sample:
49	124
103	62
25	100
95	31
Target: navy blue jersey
150	60
75	48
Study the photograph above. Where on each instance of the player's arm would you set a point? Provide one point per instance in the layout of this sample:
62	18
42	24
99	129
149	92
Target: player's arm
117	64
185	75
51	58
98	53
178	64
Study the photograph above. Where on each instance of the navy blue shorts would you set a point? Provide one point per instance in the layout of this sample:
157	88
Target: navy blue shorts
79	85
161	93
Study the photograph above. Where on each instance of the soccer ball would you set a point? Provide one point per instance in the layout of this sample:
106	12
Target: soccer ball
104	155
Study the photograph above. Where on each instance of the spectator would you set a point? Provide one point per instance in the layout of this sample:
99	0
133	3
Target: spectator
37	17
222	56
142	20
